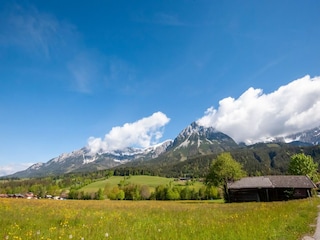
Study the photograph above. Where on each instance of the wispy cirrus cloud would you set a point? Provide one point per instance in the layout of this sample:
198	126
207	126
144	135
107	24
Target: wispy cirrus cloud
40	36
121	76
168	19
266	67
86	71
33	31
256	116
91	70
162	18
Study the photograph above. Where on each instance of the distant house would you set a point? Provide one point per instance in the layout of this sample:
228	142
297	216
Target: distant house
16	195
270	188
29	195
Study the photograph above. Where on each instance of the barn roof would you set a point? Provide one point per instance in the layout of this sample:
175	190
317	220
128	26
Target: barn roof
280	181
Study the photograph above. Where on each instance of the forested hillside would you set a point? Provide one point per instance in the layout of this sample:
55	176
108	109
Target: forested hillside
258	159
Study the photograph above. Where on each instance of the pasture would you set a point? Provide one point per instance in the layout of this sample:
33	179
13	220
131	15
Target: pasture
151	181
96	220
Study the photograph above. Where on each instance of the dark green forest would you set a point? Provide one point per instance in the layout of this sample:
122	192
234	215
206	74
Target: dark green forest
259	159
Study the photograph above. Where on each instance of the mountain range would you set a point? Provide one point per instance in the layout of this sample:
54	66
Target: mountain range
192	142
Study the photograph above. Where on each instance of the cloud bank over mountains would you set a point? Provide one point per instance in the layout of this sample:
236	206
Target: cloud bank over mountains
253	117
256	116
142	133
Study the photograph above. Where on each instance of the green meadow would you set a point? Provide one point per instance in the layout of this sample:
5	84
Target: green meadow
151	181
96	220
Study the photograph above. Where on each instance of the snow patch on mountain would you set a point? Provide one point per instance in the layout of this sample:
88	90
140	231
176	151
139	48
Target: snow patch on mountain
87	159
310	136
158	149
36	166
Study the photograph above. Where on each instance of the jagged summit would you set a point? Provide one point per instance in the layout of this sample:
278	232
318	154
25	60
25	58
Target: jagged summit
197	135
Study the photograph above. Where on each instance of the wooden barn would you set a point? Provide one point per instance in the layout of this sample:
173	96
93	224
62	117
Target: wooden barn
270	188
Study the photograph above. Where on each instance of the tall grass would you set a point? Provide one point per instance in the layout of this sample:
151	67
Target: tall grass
50	219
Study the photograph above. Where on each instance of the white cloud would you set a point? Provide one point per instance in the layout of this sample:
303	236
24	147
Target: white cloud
13	168
256	116
142	133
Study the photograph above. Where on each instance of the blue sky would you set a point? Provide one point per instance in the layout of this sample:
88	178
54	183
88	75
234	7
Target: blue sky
76	71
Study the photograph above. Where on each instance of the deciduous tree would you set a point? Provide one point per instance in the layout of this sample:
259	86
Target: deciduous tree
301	164
145	192
224	169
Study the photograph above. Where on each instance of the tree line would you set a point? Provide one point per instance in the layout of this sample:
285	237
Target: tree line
52	185
128	191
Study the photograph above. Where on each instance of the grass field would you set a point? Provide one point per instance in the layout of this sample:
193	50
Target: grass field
151	181
96	220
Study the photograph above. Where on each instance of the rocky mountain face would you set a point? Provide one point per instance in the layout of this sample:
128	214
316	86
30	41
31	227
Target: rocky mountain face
197	140
305	138
83	160
310	136
194	140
